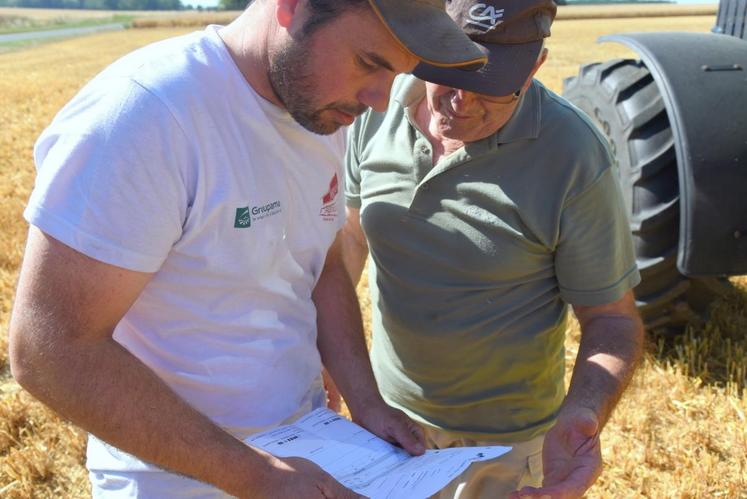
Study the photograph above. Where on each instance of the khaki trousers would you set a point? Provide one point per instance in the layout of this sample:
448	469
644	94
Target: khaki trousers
494	479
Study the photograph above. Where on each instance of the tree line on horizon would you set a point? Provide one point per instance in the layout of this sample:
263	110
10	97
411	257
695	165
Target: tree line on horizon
97	4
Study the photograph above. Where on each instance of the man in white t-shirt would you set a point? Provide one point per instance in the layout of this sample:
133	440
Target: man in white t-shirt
183	279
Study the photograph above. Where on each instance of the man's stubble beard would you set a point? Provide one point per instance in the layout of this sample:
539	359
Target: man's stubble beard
292	81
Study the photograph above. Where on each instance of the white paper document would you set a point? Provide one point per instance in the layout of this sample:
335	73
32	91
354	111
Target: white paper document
364	462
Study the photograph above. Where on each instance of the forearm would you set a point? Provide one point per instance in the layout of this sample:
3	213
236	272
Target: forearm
354	246
609	351
340	336
104	389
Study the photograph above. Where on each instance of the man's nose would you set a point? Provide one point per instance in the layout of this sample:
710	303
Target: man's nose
460	100
375	94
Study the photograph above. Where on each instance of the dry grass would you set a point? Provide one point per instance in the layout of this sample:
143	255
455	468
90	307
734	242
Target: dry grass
573	42
41	455
620	11
679	432
184	19
48	14
79	14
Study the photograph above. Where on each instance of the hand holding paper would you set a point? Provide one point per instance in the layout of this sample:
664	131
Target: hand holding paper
299	477
393	426
365	463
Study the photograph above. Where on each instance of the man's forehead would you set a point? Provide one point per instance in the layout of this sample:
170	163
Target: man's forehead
368	35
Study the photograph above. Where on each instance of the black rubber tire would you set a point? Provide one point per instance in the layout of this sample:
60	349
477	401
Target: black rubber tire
623	100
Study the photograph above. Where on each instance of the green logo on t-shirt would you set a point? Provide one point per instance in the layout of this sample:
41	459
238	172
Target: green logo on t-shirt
243	218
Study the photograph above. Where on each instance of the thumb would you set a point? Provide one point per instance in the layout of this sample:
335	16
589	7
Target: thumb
586	422
332	489
345	493
586	428
409	435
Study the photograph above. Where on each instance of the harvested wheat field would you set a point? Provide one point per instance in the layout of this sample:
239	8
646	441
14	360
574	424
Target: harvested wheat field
80	14
24	19
680	431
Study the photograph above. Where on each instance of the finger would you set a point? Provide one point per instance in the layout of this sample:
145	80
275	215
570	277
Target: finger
336	490
332	489
573	477
407	436
544	493
532	493
587	446
418	432
573	486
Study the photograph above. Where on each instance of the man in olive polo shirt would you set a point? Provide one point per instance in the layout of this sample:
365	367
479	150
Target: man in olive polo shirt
488	204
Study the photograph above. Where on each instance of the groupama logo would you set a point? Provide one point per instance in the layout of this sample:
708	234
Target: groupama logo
243	218
246	215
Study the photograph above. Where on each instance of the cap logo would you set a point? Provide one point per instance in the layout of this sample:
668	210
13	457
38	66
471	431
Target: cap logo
481	14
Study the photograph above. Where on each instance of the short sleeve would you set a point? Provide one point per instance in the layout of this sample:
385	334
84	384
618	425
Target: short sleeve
595	262
110	177
352	167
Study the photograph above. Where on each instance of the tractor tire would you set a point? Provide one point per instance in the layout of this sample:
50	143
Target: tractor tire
623	100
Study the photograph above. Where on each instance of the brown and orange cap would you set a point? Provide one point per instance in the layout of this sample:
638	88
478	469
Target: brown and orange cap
426	31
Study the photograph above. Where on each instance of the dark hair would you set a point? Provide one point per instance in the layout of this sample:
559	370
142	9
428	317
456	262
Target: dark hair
322	11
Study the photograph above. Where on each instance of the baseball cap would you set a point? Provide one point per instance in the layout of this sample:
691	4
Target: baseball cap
425	30
511	32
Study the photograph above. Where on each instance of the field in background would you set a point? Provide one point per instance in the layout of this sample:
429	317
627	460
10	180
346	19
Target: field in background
13	19
17	19
617	11
680	431
78	14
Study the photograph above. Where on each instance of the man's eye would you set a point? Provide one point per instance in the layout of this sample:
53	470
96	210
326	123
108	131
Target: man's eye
365	64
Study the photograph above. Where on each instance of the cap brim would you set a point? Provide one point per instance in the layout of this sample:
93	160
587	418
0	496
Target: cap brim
506	71
428	33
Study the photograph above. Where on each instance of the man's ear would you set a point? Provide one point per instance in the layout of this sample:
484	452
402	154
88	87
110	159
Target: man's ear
285	12
541	59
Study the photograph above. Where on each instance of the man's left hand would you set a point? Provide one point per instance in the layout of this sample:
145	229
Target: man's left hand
394	426
571	457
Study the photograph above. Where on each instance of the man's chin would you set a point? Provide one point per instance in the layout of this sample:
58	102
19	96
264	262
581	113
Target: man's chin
325	129
317	125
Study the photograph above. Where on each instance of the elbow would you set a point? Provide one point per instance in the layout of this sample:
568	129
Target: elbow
18	357
23	356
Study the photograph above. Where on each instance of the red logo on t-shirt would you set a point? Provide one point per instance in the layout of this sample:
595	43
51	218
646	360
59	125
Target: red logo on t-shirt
332	192
329	206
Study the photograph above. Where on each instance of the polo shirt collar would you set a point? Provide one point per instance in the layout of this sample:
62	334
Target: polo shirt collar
524	124
410	92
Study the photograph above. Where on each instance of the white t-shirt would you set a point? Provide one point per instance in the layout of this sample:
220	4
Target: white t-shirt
168	162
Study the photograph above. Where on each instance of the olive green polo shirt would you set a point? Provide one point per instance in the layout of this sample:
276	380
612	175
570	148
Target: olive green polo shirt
475	258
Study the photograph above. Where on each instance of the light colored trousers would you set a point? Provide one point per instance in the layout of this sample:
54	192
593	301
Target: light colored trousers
494	479
150	485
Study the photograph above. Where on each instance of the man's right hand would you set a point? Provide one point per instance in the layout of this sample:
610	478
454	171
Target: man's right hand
62	351
298	477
